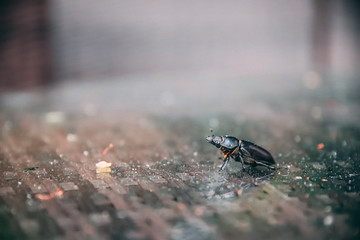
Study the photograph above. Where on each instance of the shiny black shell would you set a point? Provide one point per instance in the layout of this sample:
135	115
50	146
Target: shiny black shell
230	142
256	152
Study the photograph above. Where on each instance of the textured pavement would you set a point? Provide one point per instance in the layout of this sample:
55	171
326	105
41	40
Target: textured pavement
164	181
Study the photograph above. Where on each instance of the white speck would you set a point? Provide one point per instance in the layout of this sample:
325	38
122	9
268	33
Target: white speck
71	137
353	175
103	167
120	214
86	153
297	138
298	178
54	117
103	164
328	220
19	183
100	219
195	154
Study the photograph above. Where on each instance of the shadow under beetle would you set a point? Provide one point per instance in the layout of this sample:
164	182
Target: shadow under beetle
241	151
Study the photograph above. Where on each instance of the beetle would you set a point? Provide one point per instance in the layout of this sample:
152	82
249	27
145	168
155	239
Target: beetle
241	151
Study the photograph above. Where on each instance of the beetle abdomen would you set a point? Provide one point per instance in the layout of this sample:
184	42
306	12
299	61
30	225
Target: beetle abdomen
256	152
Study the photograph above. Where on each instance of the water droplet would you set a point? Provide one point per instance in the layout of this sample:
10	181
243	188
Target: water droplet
70	137
328	220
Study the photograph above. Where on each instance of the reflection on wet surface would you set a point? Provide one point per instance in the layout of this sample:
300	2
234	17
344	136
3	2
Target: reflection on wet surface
163	182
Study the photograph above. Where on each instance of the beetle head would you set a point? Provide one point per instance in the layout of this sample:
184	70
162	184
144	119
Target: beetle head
214	140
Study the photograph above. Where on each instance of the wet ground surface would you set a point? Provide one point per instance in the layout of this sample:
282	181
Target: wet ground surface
164	181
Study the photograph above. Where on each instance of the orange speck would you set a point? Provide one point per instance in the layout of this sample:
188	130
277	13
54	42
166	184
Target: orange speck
324	180
59	193
239	192
43	196
181	206
103	153
307	178
307	195
320	146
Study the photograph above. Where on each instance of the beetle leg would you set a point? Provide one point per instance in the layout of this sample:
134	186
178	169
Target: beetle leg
242	163
242	155
226	160
265	165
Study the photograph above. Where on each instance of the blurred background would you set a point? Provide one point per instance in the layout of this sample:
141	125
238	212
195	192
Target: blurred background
150	78
46	41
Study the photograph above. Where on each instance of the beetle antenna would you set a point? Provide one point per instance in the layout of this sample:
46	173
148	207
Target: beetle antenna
212	132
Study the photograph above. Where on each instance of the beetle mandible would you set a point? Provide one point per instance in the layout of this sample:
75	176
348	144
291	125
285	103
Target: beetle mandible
241	151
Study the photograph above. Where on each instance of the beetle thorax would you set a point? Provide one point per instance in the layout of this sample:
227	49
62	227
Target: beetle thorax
229	142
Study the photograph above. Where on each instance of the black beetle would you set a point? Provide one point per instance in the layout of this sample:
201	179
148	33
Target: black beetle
241	151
